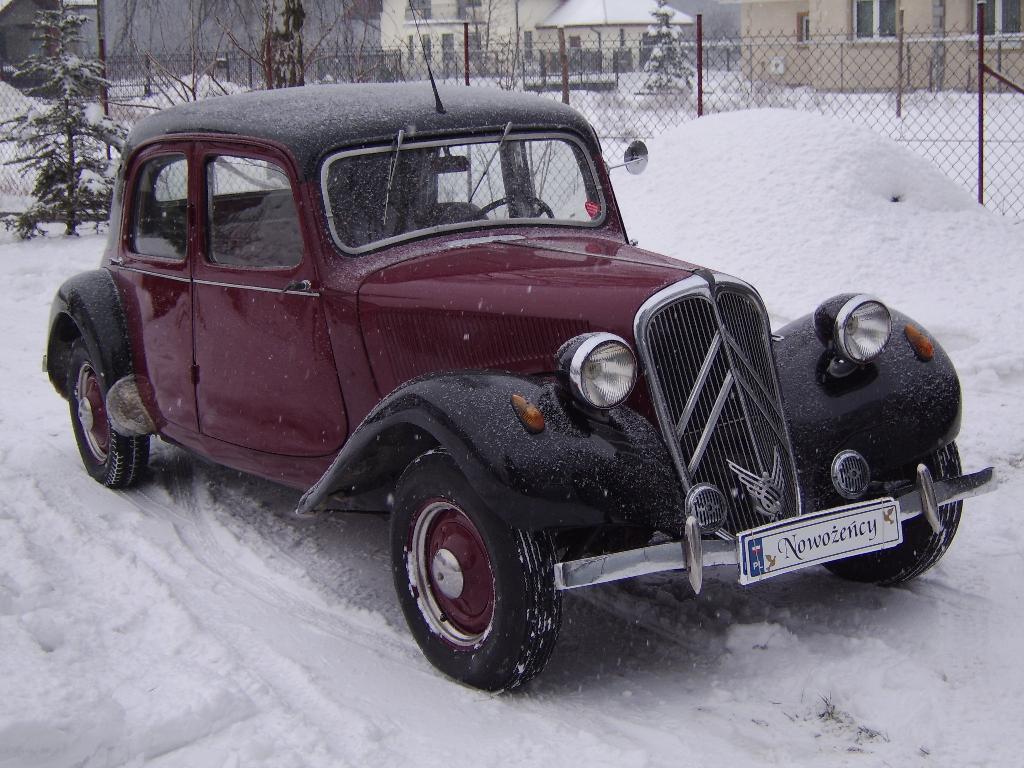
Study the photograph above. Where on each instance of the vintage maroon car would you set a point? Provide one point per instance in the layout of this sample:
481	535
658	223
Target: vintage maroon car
435	311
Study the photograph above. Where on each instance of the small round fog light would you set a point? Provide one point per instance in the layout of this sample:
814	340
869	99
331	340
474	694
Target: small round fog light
707	504
850	474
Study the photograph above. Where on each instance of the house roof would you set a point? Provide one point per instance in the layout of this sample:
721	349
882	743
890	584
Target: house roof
314	120
610	13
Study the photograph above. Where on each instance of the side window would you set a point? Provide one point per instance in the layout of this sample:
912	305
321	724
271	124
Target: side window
160	218
251	216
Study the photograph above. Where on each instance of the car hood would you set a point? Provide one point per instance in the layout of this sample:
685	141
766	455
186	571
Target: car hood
503	303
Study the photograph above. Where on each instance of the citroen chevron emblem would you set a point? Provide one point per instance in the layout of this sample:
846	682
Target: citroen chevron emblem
765	489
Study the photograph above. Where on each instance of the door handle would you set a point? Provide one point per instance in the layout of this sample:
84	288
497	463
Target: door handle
301	286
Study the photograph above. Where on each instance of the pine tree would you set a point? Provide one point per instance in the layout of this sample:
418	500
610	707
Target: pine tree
62	137
667	69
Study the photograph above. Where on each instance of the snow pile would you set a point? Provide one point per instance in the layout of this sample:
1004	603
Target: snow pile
187	623
805	207
13	102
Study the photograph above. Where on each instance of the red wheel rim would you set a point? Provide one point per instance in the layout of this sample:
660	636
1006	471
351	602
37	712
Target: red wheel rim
452	572
92	413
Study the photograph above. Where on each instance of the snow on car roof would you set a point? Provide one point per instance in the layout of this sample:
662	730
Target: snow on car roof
314	120
595	13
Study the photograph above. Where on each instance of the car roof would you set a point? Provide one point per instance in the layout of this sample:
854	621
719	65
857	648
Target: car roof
314	120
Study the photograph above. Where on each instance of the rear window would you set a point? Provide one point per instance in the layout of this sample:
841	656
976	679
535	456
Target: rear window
386	194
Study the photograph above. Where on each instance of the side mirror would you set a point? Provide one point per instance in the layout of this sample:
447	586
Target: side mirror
635	158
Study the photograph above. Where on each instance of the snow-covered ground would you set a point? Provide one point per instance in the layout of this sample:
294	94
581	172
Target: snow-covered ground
189	623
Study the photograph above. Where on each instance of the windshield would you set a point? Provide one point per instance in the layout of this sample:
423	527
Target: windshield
395	192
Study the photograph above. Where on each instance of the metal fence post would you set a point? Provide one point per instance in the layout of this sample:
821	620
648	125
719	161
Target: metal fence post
565	65
101	53
465	49
981	102
700	65
899	69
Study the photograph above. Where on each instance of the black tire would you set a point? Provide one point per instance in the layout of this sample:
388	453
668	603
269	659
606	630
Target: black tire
921	547
113	459
435	505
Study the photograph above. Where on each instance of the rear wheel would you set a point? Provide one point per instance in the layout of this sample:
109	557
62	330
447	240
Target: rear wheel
478	595
113	459
921	548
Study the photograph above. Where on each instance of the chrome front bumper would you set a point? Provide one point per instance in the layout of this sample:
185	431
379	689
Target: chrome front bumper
693	555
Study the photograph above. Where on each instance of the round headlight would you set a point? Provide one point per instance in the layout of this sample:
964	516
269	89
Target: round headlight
601	368
863	326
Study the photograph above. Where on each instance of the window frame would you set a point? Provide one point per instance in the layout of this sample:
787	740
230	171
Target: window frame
183	151
461	226
418	9
876	20
803	27
997	18
209	148
205	163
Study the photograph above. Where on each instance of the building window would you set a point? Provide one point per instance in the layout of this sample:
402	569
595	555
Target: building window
1001	17
528	45
417	9
803	27
411	44
427	52
464	9
874	18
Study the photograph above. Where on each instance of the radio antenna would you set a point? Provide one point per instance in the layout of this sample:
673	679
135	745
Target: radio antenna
416	20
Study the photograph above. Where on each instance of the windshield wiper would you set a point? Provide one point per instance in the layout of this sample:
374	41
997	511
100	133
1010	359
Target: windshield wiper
391	174
497	149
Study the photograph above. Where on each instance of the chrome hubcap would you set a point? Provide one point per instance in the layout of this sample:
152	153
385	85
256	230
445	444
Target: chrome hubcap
85	415
92	414
447	574
451	575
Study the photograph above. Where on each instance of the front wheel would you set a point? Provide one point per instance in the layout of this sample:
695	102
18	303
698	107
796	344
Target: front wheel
478	595
921	548
113	459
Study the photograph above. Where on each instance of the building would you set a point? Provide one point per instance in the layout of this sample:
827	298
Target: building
852	45
17	33
602	37
438	27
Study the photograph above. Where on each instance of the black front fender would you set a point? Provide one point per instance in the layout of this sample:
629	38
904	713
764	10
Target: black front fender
88	306
894	411
584	469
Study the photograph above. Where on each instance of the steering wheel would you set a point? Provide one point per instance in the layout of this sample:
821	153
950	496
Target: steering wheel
540	204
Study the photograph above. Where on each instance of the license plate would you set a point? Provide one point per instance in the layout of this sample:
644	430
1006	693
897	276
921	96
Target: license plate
818	538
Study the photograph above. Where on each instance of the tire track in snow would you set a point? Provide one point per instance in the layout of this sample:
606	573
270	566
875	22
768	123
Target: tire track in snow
249	613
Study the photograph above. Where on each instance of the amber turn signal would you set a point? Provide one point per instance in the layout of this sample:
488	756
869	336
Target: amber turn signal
921	344
529	414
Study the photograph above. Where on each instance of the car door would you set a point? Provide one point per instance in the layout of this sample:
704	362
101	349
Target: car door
266	376
152	269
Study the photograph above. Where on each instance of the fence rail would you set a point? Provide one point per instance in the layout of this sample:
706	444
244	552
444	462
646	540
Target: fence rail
919	88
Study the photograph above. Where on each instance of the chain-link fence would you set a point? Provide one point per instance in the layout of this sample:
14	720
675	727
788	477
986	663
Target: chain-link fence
916	87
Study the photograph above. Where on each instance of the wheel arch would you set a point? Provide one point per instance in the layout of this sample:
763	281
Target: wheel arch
584	469
894	411
88	306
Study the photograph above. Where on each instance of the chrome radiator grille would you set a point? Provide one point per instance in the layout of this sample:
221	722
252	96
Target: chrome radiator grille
707	351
